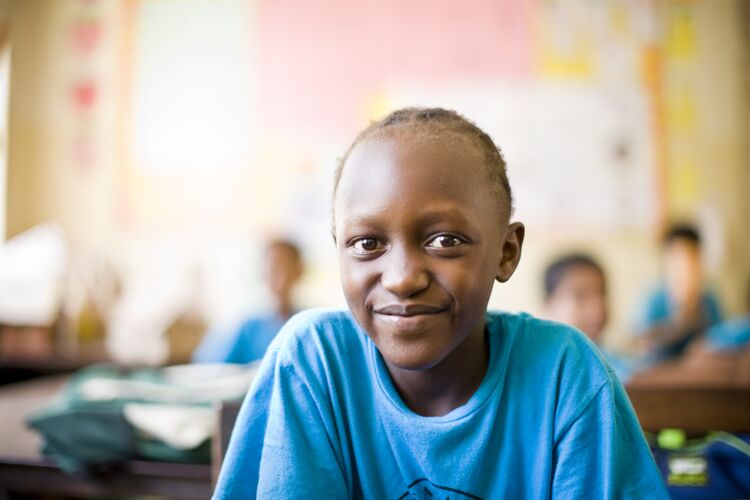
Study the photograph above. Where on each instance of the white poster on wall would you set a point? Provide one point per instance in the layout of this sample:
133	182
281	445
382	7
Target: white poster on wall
577	153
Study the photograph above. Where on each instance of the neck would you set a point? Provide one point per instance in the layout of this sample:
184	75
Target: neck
444	387
284	307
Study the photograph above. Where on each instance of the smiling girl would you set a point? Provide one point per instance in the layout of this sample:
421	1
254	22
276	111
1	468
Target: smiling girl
417	391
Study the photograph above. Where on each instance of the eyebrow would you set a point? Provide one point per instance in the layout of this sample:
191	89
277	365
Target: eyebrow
435	216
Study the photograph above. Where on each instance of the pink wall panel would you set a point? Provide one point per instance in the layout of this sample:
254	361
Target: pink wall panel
319	61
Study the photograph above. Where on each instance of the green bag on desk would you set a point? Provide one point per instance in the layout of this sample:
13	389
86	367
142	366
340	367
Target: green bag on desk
106	415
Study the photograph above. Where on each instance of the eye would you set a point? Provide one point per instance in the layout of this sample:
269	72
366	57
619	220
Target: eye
366	246
445	241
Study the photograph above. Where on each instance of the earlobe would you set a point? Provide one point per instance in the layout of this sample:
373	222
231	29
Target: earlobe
511	254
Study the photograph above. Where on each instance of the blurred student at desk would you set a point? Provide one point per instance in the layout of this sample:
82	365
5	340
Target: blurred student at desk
723	348
282	269
681	308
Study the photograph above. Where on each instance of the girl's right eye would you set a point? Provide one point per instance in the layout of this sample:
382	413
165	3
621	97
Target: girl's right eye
366	246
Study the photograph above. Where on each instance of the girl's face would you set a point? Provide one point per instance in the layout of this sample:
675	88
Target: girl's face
420	239
581	300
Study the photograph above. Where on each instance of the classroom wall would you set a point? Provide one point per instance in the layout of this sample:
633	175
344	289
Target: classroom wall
706	167
745	124
79	162
4	101
63	131
707	176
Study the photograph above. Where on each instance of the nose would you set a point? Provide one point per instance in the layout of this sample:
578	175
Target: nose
404	274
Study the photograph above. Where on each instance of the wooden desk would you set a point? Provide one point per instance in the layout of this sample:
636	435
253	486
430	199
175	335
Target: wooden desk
697	394
227	412
20	366
24	470
59	360
696	410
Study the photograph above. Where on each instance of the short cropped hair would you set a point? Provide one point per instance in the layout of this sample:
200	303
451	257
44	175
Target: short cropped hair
560	267
439	119
683	232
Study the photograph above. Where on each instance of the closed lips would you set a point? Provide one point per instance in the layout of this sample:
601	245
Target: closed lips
409	310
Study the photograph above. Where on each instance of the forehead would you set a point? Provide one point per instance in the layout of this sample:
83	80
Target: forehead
280	252
397	175
682	245
582	274
681	252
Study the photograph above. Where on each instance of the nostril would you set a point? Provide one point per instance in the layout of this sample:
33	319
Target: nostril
405	282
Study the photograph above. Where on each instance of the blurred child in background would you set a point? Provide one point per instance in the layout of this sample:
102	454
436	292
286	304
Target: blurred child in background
282	269
682	308
575	292
726	344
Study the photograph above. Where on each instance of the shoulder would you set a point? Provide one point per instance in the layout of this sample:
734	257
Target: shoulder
653	308
257	321
657	297
329	326
711	299
548	341
318	341
554	359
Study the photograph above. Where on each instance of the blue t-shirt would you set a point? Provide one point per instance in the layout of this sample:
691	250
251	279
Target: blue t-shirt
658	309
324	420
625	366
240	345
731	335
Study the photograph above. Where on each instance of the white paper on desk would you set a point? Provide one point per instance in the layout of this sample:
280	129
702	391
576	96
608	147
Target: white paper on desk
180	385
181	427
32	273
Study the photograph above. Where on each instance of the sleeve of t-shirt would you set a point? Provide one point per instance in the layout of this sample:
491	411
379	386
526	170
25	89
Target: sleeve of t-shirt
603	453
216	346
257	337
280	447
713	309
653	310
238	347
229	345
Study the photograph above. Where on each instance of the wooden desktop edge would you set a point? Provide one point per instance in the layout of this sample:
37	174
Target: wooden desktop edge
695	410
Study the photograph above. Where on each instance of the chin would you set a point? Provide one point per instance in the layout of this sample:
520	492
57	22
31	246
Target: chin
411	357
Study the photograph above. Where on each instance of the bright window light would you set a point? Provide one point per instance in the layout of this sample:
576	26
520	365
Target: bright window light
192	85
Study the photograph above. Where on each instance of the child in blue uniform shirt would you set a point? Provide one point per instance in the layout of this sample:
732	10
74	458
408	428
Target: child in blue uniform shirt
282	269
677	314
417	391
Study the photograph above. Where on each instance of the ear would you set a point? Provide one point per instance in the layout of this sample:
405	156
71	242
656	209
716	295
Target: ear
511	254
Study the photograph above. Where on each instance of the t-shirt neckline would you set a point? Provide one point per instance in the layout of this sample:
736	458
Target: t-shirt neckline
493	323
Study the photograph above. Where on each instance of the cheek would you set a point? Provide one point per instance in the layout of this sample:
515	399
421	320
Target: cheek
470	285
356	279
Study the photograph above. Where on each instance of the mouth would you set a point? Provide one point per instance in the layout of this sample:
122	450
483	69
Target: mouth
409	310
